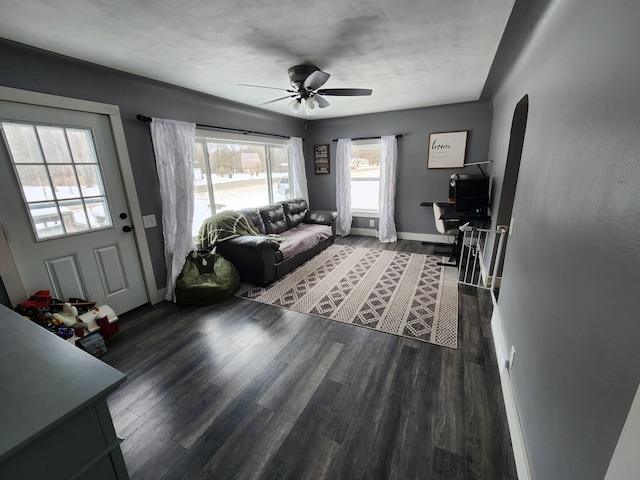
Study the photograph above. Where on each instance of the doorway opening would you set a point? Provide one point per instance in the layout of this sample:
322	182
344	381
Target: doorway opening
510	180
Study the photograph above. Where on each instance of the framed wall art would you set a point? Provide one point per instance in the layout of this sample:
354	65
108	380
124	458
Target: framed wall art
321	158
447	149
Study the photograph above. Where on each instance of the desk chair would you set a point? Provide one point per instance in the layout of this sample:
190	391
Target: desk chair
446	227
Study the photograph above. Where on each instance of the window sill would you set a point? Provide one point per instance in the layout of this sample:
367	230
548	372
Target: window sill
365	213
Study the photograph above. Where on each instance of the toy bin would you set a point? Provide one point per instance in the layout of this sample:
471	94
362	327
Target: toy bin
107	329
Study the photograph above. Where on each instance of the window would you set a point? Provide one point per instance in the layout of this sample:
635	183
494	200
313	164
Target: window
238	171
365	177
59	175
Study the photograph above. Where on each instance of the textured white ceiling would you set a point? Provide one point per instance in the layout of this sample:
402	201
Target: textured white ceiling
412	53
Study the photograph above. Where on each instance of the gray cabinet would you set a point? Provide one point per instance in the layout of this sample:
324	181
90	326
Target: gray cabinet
54	420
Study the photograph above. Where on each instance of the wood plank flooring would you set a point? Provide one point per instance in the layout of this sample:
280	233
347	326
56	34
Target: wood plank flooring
242	390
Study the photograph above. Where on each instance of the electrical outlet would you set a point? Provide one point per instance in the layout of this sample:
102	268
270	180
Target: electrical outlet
149	221
372	223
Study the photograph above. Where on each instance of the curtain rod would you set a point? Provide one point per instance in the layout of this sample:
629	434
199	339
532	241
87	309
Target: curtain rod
144	119
366	138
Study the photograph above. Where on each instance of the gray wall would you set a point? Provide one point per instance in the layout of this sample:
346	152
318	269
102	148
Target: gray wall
31	69
414	183
569	301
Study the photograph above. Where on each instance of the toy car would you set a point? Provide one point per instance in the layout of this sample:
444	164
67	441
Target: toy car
41	300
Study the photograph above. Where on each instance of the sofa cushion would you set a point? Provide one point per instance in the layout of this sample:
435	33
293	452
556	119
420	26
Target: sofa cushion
273	218
295	211
302	238
256	218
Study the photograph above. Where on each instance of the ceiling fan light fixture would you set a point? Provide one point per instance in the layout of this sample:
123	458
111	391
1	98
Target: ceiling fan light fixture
294	105
305	95
311	106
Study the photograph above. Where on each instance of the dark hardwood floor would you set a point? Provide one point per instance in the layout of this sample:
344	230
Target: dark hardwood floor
245	390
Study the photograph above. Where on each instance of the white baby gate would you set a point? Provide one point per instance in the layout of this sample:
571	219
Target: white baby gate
481	254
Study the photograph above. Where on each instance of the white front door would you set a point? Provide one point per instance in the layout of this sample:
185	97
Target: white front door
63	207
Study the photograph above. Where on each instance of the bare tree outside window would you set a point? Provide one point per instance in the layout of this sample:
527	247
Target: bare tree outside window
233	175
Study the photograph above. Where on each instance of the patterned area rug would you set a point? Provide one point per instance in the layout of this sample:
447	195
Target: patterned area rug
401	293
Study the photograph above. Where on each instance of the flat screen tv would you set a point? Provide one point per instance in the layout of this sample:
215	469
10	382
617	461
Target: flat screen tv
471	195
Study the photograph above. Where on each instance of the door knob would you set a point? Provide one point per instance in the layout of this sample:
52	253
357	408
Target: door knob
127	228
123	215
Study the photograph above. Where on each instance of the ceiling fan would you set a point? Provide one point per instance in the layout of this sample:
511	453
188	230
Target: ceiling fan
305	91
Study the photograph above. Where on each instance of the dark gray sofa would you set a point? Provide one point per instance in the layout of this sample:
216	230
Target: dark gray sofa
262	259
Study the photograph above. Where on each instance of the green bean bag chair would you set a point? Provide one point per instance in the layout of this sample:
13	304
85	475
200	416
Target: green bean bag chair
206	278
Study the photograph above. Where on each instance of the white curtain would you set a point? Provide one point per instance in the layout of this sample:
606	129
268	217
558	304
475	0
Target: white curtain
343	186
387	197
173	146
298	171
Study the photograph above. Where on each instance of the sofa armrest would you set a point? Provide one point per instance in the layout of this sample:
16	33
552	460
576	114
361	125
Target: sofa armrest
323	217
253	256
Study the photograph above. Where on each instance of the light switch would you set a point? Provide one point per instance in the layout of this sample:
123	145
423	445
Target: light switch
149	221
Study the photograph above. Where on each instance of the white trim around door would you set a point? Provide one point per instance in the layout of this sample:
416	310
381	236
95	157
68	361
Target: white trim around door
113	112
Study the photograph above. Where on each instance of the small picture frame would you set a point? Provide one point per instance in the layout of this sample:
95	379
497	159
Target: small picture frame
447	149
321	158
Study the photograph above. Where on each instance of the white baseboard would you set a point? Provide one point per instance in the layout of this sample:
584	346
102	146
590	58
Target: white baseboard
513	419
420	237
365	232
424	237
498	337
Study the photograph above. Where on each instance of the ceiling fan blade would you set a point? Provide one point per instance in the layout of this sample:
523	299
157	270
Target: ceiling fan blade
262	86
346	92
278	99
322	103
315	80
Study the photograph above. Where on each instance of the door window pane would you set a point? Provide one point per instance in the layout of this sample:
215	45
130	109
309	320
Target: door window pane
98	212
74	217
23	143
65	194
90	180
64	181
47	220
81	144
34	180
54	144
